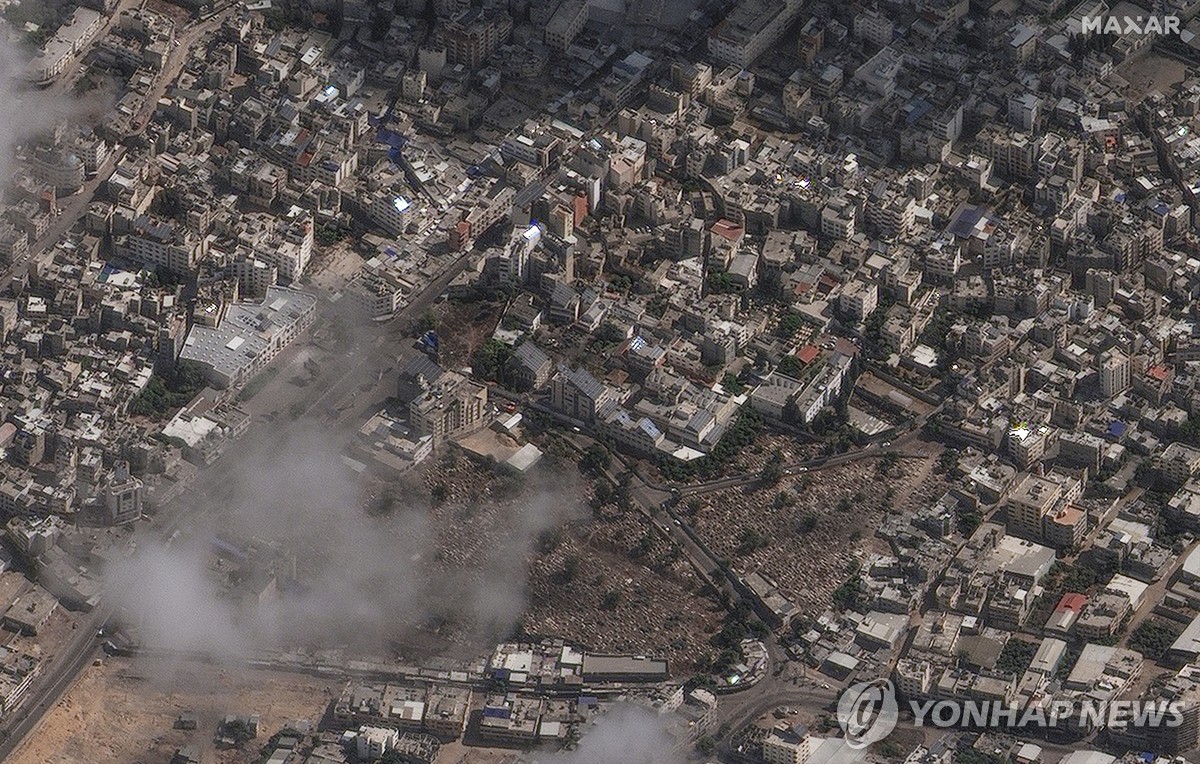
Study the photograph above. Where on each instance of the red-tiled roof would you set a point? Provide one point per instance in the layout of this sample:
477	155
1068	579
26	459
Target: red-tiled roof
1071	601
727	230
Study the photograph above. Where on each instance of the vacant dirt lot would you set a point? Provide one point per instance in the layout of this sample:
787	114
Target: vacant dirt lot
125	711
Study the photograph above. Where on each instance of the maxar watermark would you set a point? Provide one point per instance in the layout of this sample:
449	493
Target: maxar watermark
1131	25
868	711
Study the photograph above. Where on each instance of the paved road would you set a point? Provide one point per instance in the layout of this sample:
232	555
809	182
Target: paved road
371	348
58	675
73	208
53	682
1154	594
186	39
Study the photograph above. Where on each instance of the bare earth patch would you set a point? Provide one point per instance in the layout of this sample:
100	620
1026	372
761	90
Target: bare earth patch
125	711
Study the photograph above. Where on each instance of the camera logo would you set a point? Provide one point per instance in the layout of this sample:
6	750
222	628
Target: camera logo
867	712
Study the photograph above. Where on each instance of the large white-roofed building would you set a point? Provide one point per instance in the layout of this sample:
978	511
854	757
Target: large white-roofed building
249	335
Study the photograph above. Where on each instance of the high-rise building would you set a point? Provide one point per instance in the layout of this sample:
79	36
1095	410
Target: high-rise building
750	29
161	244
442	404
473	36
561	222
566	23
123	495
1114	373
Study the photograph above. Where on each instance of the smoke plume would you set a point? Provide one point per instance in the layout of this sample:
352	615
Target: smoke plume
628	734
360	580
29	111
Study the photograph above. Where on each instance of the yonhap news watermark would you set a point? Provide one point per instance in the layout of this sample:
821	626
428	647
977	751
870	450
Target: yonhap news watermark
867	712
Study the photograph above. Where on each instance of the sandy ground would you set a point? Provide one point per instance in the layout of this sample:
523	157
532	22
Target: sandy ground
1152	72
125	711
458	753
335	265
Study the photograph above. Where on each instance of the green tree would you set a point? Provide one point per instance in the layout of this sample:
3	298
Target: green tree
610	600
790	366
239	732
750	541
427	322
1016	656
789	324
721	283
1153	637
851	595
595	460
772	472
888	463
164	394
489	361
570	570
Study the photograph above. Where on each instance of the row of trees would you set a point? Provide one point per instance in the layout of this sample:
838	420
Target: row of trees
1153	637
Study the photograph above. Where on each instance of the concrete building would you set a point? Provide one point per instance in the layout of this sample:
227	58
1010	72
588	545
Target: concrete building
472	36
859	299
123	495
1114	373
29	612
566	24
749	29
529	368
1037	500
379	288
441	404
161	244
371	743
1028	443
288	246
391	212
249	335
64	48
787	745
1178	463
576	393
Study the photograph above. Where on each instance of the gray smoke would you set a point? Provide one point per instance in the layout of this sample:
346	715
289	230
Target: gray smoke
628	734
29	112
361	580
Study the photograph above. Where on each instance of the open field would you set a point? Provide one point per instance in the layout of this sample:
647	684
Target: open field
1151	72
125	711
